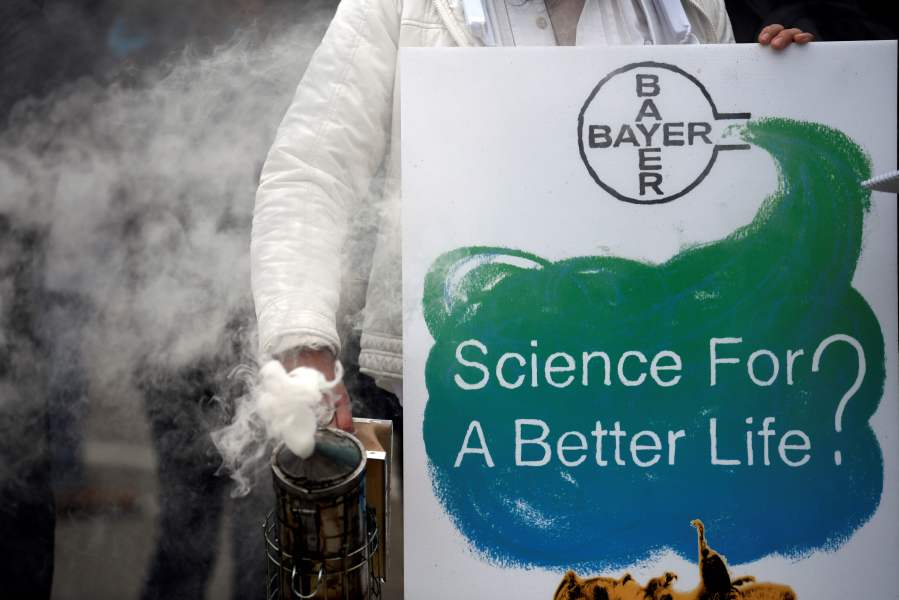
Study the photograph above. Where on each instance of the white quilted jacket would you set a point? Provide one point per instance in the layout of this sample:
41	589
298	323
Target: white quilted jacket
342	129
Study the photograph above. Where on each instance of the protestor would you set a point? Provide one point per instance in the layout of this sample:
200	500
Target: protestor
343	127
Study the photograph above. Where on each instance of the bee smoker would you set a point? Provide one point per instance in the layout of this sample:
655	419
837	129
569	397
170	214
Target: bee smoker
322	538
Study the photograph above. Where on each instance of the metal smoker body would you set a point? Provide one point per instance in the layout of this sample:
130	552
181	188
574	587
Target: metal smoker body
321	538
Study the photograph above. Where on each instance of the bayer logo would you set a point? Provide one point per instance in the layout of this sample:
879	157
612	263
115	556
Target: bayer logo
650	132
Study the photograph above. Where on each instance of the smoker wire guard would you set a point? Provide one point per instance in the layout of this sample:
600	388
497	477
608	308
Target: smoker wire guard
318	569
278	561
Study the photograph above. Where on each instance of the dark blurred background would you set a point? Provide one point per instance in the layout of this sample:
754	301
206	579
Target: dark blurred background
829	21
106	530
45	42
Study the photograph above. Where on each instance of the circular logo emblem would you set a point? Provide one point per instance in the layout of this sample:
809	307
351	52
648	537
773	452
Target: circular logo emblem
649	133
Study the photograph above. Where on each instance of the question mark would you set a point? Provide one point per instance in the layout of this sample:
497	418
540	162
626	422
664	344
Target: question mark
838	417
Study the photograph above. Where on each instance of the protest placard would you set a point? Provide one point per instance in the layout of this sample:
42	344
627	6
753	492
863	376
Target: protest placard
643	288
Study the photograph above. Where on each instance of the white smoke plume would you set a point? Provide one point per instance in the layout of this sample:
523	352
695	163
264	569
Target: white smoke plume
140	196
143	196
281	406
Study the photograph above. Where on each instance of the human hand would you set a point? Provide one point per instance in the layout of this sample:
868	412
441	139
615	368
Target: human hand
324	362
779	37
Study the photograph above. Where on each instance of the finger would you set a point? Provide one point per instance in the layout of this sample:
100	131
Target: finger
784	38
343	413
804	37
768	33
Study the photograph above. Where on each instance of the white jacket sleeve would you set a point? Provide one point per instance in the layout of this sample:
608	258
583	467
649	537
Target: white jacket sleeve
330	143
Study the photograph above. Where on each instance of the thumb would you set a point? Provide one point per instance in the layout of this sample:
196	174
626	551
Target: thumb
343	411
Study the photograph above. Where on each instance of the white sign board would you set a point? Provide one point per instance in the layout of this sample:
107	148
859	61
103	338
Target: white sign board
643	288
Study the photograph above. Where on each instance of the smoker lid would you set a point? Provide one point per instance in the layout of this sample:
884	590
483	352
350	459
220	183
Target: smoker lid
338	458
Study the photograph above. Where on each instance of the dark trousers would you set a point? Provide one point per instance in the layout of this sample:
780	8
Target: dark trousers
183	407
27	510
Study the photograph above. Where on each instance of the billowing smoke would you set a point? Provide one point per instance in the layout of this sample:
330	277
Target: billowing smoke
280	406
135	200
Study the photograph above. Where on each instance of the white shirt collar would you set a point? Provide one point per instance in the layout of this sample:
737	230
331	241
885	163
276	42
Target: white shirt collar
602	22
